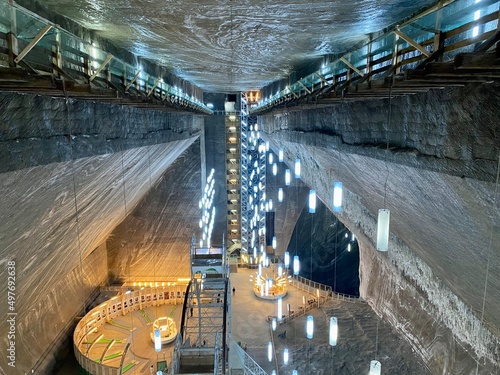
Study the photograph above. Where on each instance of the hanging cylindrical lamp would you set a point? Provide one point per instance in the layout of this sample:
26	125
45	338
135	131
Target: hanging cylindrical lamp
267	146
270	158
310	327
384	216
337	196
285	356
287	177
280	155
349	247
157	335
294	372
270	204
333	331
280	195
280	270
375	368
270	351
312	201
297	168
273	324
296	265
274	242
275	169
280	308
287	259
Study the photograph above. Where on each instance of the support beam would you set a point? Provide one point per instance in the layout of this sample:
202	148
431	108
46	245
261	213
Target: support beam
106	62
412	42
154	86
345	61
323	79
304	86
32	44
133	80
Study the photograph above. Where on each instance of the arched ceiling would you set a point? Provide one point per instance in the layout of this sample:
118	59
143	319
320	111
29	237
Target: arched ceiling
224	45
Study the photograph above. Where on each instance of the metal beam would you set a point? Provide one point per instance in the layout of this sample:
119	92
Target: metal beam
412	42
32	44
106	62
345	61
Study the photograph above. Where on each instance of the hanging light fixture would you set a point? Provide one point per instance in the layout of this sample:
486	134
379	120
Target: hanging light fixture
275	169
270	351
312	201
274	242
157	340
280	155
280	195
296	265
349	247
285	356
294	372
270	158
287	259
270	204
273	324
297	168
280	270
333	331
310	327
384	216
280	308
375	368
337	196
287	177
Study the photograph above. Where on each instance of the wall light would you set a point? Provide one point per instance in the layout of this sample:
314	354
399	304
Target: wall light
384	216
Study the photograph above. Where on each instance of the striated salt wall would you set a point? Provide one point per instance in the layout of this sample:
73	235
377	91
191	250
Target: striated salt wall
438	180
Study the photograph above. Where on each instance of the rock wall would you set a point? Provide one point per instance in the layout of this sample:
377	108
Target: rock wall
445	224
153	242
57	210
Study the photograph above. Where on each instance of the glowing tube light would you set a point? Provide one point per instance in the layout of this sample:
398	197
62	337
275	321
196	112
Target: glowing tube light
375	368
287	259
280	195
270	159
273	372
270	204
297	168
296	265
310	327
384	216
275	169
294	372
349	247
280	155
337	196
280	270
333	331
312	201
287	177
267	146
270	351
157	340
274	242
273	324
280	308
285	356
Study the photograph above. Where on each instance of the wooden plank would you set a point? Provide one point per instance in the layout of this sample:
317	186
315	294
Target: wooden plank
348	63
412	42
32	44
482	61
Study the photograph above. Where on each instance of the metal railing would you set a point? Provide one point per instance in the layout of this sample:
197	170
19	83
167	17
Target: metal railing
440	33
250	366
44	48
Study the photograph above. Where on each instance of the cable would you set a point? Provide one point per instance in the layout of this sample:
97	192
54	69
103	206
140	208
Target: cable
77	212
387	139
489	250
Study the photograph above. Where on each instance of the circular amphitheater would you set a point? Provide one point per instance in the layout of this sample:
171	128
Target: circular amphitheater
117	336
